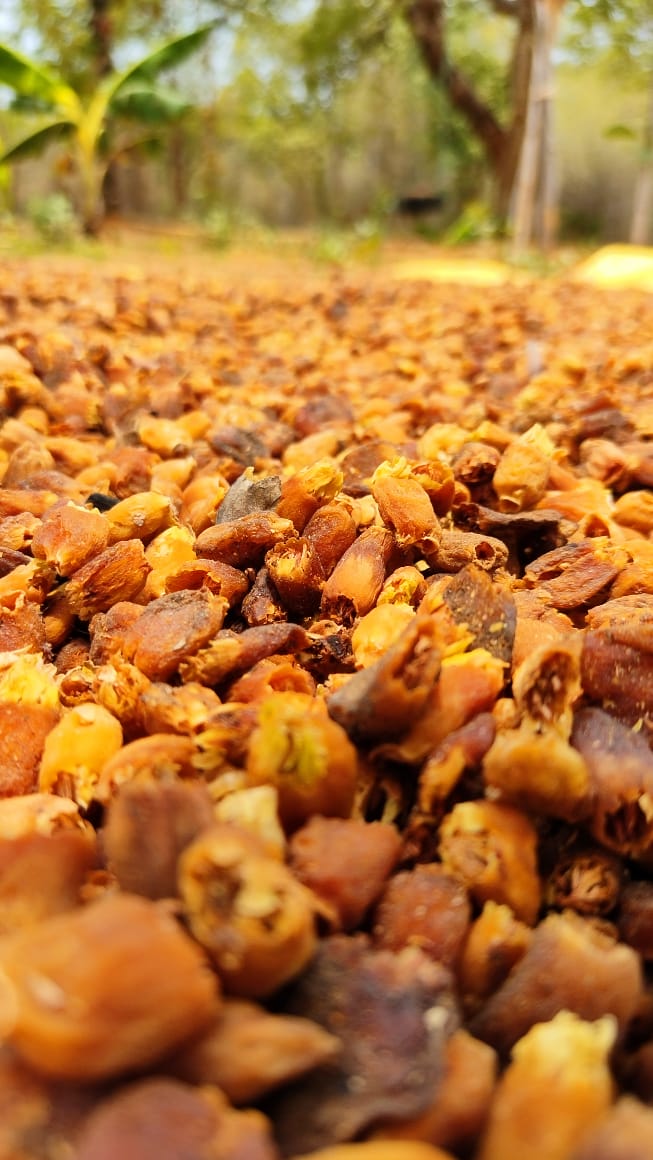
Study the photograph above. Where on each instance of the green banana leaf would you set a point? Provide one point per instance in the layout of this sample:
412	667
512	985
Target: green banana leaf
153	106
166	56
36	140
34	81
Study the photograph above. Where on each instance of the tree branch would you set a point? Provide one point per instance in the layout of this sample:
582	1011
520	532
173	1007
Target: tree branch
426	19
506	7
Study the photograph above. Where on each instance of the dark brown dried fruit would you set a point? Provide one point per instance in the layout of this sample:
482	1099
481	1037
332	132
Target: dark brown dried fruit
162	1117
564	953
148	826
385	699
393	1014
620	766
425	907
172	629
244	542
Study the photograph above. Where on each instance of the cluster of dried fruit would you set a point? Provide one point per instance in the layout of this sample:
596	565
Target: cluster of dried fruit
326	784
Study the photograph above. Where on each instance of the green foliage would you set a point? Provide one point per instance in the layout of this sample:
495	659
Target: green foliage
54	218
223	227
218	228
475	223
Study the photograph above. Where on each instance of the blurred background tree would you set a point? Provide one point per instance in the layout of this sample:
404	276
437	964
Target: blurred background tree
314	111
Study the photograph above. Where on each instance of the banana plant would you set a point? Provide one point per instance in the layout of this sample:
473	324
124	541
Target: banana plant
84	120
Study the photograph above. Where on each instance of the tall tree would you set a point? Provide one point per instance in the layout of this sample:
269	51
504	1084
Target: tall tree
503	100
501	136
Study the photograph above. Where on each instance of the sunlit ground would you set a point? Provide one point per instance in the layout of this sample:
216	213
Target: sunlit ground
261	253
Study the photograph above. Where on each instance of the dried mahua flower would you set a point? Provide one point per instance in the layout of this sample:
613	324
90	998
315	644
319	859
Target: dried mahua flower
485	607
159	757
254	919
577	573
243	542
176	709
635	510
84	996
618	676
262	603
624	1132
250	1051
230	654
634	919
469	684
522	474
171	629
534	767
458	550
386	698
379	1150
254	808
552	976
492	849
24	729
42	875
116	574
39	813
566	1058
377	631
463	749
169	551
298	748
620	767
141	515
406	585
426	907
405	507
588	881
547	684
306	491
295	570
161	1117
533	764
68	536
331	530
76	749
147	827
353	586
495	943
459	1111
345	862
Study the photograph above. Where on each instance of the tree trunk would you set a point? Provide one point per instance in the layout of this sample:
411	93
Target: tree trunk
101	37
535	207
640	225
100	32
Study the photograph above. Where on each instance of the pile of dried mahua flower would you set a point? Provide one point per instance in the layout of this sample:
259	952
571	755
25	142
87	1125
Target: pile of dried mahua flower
326	710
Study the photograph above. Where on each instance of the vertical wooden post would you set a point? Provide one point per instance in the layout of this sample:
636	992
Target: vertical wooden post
535	199
640	224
